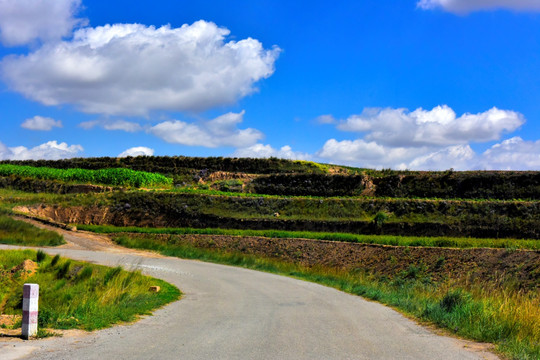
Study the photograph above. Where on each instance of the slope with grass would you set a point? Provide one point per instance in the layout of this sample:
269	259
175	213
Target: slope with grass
21	233
481	219
79	295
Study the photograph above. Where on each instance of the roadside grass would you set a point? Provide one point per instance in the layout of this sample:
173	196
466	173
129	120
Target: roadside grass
345	237
507	318
17	232
79	295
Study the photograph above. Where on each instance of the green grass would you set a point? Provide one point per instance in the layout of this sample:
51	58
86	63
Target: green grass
506	318
355	238
16	232
80	295
116	177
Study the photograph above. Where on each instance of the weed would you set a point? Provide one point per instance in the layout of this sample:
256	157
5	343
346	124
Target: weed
55	259
451	300
40	256
63	270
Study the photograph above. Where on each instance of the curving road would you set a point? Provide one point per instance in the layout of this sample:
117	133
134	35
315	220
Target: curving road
234	313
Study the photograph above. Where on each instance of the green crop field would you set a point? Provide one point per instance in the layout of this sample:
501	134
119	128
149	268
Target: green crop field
115	177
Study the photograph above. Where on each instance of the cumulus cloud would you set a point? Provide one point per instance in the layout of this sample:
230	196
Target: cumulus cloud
123	125
437	127
512	154
221	131
24	21
466	6
266	151
51	150
132	69
137	151
41	123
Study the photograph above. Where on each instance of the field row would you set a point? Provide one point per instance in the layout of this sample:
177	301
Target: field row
115	177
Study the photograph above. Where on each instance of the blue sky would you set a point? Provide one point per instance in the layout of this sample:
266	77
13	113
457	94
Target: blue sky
430	84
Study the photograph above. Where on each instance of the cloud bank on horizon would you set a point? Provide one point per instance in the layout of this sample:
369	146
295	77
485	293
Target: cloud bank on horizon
133	76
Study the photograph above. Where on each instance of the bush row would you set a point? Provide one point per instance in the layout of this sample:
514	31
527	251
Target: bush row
309	185
465	185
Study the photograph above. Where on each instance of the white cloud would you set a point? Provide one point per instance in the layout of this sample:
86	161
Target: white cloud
437	127
41	123
132	69
512	154
123	125
24	21
266	151
51	150
326	119
466	6
137	151
221	131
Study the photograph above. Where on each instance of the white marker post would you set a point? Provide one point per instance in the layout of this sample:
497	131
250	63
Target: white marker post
30	310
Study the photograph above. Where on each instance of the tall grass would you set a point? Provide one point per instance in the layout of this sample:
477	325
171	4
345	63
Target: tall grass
507	318
116	177
345	237
75	294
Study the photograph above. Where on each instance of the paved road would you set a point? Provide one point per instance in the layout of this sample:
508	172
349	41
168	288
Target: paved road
234	313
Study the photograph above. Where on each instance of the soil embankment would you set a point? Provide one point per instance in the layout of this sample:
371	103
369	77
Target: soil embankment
165	212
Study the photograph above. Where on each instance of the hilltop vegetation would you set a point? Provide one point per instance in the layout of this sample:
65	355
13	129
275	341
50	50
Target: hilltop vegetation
286	177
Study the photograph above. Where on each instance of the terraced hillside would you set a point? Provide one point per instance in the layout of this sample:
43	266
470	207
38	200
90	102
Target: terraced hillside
295	215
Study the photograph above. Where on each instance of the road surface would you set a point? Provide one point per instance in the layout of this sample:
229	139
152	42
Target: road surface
234	313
